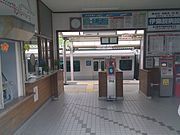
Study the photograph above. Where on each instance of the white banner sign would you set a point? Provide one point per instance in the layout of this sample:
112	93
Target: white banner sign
168	20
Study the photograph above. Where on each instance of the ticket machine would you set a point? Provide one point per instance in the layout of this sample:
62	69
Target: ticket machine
111	78
177	75
166	83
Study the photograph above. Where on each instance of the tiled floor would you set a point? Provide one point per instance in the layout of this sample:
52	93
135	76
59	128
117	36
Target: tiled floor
79	112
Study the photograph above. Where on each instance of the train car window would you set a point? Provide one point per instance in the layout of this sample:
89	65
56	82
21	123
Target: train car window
77	66
61	64
125	65
68	68
95	65
102	65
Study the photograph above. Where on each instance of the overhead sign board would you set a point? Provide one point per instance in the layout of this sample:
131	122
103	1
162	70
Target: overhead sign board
114	20
167	20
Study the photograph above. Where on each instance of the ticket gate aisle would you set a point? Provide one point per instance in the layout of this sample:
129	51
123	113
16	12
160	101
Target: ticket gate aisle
177	75
111	78
166	80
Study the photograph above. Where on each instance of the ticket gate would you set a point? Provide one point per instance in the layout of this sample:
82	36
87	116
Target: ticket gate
177	75
166	80
111	78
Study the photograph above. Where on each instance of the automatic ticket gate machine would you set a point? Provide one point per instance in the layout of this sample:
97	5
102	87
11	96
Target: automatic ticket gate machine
166	80
177	75
111	78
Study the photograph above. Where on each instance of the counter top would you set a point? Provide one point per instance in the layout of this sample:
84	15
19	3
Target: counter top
40	77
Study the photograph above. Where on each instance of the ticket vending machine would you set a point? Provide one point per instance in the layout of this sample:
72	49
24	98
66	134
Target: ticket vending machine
111	78
166	83
177	75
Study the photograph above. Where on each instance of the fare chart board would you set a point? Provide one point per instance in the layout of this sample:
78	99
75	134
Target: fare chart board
163	44
115	20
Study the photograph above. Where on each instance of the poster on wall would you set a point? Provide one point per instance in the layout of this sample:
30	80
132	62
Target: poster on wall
163	44
23	9
167	20
114	20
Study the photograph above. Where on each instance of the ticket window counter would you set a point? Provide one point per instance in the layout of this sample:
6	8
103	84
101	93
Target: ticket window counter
11	71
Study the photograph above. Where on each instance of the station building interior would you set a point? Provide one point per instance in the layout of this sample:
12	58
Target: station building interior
89	67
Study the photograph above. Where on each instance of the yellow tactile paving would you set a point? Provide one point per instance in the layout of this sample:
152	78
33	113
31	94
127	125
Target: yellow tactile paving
89	87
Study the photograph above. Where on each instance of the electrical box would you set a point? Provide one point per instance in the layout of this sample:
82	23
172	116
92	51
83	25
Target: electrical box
166	83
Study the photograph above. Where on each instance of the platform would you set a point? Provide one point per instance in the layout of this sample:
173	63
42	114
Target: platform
79	112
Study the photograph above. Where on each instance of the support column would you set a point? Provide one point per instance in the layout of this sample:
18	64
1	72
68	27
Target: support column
64	62
72	63
141	53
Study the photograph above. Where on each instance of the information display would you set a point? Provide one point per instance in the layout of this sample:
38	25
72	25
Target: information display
115	20
163	44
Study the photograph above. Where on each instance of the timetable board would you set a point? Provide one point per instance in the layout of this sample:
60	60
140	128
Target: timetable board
162	44
114	20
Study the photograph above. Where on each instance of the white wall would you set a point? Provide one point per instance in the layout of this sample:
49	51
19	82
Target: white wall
61	22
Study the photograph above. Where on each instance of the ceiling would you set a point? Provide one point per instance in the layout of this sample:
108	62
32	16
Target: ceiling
105	5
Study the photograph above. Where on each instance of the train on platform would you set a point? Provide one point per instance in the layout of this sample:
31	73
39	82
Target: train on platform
87	63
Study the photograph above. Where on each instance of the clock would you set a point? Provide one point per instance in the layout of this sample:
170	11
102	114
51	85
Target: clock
75	23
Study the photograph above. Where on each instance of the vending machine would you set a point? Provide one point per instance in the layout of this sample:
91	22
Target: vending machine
166	83
177	75
111	78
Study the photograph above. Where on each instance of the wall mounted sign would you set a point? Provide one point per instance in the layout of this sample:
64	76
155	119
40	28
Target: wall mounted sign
88	62
162	44
109	40
4	47
114	20
167	20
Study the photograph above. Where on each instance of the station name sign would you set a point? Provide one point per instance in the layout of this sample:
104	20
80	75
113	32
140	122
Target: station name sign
163	20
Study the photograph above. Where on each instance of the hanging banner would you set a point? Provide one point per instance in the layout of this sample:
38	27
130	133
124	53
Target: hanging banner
167	20
23	9
114	20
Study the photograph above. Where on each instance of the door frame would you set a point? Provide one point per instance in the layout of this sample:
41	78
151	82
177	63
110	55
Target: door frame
1	88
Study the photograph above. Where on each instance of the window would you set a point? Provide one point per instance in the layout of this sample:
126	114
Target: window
125	65
68	66
95	65
76	66
102	65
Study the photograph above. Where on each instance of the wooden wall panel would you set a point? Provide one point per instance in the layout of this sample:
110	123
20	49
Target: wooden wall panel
119	84
102	84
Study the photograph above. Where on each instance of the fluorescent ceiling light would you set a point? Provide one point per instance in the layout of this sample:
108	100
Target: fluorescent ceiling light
70	33
140	32
126	32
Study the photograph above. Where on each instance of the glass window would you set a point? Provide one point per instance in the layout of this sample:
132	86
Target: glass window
95	65
125	65
76	66
68	66
102	65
